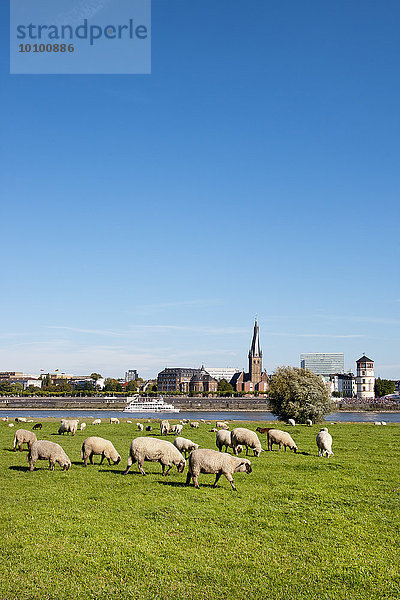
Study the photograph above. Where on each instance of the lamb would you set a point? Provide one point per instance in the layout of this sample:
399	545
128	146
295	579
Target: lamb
44	450
97	445
114	421
292	422
263	429
139	426
177	429
223	438
148	428
68	426
37	426
194	424
83	426
246	437
185	446
221	425
23	436
164	427
210	462
282	438
324	443
96	422
154	450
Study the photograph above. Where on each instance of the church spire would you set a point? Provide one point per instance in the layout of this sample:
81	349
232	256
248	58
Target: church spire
255	351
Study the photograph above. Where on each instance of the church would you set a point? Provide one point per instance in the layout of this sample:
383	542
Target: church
256	380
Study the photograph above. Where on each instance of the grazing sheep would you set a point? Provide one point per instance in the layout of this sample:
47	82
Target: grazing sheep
213	462
114	421
221	425
282	438
185	421
44	450
96	422
130	422
68	426
194	424
23	436
291	422
20	419
308	422
11	424
213	430
185	446
30	421
246	437
324	443
202	420
377	423
4	419
383	422
139	426
148	428
97	445
164	427
83	426
263	429
37	426
177	429
223	438
154	450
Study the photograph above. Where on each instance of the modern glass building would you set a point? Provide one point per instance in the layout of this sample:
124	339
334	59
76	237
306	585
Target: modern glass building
323	363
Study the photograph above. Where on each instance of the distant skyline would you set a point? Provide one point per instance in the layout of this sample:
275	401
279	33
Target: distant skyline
148	219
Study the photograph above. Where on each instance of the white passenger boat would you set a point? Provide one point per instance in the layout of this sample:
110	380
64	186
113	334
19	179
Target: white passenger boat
146	404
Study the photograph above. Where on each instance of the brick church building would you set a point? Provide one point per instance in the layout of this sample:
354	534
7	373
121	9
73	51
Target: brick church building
256	380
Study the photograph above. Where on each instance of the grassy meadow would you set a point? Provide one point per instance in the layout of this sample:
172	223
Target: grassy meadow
299	526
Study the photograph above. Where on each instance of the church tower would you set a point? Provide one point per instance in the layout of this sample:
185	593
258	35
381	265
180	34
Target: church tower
255	357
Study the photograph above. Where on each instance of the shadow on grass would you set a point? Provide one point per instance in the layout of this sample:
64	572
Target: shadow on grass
18	468
175	483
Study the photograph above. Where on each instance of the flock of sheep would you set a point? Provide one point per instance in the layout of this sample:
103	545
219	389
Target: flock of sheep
168	454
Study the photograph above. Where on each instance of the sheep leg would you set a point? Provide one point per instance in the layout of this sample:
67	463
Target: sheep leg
230	479
91	458
140	465
188	478
196	483
20	446
218	475
109	461
32	465
247	450
85	460
168	470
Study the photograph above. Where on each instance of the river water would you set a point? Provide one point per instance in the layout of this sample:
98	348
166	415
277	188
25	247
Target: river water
352	417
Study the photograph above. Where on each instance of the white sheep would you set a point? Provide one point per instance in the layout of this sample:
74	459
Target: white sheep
68	426
82	426
164	427
128	421
194	424
383	422
291	422
23	436
324	443
282	438
221	425
139	426
377	423
185	446
177	429
11	424
246	437
97	445
308	422
213	462
4	419
44	450
154	450
114	421
20	419
96	422
223	438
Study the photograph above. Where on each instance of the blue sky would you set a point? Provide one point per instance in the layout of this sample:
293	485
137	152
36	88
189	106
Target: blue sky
147	219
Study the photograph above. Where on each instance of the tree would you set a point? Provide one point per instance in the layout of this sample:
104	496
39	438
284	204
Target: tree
298	394
384	387
225	388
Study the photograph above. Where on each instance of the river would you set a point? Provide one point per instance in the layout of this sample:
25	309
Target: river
352	417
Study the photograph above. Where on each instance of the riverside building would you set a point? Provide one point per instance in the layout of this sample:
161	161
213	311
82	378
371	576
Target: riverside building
323	363
365	378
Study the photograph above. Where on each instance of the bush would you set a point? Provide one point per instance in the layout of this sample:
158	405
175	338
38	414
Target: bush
298	394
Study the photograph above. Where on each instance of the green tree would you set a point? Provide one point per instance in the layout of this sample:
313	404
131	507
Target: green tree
384	387
225	388
298	394
112	385
131	386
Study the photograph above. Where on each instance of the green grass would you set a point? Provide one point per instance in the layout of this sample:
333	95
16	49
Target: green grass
298	527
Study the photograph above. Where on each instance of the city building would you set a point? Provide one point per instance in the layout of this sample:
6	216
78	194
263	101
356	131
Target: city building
323	363
131	375
175	379
202	382
344	384
365	378
9	374
256	380
219	373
